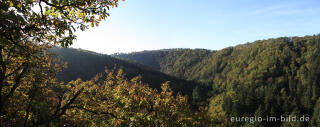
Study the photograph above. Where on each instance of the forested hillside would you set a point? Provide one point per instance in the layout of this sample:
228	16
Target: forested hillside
86	64
274	77
266	78
177	62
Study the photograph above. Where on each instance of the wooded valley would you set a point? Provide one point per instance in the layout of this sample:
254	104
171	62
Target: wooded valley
274	77
44	82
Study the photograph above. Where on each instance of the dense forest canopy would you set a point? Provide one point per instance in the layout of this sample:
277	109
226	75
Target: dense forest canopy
274	77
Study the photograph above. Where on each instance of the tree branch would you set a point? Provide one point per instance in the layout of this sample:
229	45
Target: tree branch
17	82
68	5
29	106
2	77
60	111
95	112
15	71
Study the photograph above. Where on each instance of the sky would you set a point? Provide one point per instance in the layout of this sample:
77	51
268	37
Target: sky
137	25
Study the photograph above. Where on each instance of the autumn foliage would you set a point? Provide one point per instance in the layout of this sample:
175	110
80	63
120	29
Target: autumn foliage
118	101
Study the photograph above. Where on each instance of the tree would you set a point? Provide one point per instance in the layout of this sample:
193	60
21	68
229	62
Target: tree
27	72
121	102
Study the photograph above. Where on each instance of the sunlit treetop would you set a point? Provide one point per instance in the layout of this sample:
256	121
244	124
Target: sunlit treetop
50	21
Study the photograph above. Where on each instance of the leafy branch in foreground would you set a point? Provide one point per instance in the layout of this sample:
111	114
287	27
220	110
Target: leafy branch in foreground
29	92
120	102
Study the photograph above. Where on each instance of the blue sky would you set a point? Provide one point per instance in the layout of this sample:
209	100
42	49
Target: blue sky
138	25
